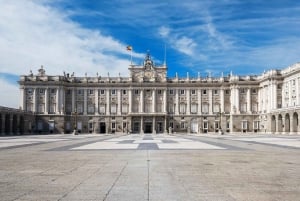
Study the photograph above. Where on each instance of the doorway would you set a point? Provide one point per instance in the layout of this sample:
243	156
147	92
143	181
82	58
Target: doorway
102	127
148	127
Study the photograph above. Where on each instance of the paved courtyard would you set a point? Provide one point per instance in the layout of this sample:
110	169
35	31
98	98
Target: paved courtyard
150	167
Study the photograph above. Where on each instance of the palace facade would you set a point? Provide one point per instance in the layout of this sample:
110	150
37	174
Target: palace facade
149	102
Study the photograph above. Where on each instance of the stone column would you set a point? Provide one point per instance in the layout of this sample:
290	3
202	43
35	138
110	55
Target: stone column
129	101
165	101
73	100
275	96
199	102
34	100
142	125
188	101
297	92
107	102
290	94
237	101
176	101
210	100
222	100
119	101
249	100
46	101
153	100
22	98
153	126
96	103
62	101
142	101
165	126
57	101
85	101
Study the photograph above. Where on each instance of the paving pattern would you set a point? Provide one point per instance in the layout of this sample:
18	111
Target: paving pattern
149	142
150	167
282	141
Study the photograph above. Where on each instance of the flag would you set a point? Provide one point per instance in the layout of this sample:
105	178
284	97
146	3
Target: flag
129	48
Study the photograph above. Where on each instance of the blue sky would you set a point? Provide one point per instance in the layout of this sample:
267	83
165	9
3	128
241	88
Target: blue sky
246	37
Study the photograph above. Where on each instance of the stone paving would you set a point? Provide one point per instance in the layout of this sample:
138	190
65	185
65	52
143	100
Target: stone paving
150	167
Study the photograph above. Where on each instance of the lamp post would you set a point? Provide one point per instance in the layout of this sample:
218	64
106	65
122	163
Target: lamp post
75	122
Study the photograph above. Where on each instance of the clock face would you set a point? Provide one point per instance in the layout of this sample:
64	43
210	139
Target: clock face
148	74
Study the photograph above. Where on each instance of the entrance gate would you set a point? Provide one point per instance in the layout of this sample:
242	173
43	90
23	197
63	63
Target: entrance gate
102	127
148	127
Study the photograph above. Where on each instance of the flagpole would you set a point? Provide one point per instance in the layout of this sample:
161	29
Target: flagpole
131	56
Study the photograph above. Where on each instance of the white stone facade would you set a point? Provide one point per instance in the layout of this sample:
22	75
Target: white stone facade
149	102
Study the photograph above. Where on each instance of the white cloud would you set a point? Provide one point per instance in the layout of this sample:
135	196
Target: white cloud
185	45
10	94
164	31
33	34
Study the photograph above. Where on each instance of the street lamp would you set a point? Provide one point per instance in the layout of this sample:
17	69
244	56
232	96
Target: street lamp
75	132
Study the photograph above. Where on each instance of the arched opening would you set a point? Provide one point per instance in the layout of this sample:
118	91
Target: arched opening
15	124
295	122
22	123
287	123
7	124
280	124
273	124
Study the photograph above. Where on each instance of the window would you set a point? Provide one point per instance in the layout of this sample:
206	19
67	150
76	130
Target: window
256	124
182	125
52	108
171	108
102	109
91	91
113	108
124	108
159	107
182	108
243	91
204	92
42	91
216	108
194	108
193	92
113	125
205	125
244	125
41	108
216	92
227	91
136	91
113	91
243	107
68	91
205	108
79	108
79	91
181	91
254	91
53	91
216	124
29	91
91	109
171	91
102	92
124	92
158	91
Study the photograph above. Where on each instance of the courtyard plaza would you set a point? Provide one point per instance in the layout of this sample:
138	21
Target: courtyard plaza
150	167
